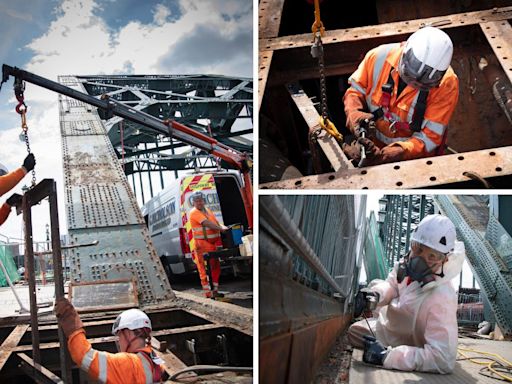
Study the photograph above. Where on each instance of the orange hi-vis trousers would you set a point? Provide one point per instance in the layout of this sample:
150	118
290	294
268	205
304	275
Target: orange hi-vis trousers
202	247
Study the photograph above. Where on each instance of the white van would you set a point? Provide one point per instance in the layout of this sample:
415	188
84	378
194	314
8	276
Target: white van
166	214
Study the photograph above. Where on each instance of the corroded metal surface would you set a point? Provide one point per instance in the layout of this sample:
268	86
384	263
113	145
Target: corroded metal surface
499	36
100	206
383	30
418	173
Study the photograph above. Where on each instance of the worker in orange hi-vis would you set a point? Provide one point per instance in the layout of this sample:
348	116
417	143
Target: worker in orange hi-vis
401	99
8	180
134	363
206	232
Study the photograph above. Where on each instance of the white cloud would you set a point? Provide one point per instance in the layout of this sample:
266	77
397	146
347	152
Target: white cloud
80	42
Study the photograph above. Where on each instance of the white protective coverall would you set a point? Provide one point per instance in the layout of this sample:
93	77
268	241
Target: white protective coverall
417	324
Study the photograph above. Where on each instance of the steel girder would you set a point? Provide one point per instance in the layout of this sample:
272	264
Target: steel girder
101	206
188	99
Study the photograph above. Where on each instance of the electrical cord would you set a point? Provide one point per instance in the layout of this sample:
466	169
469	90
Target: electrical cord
497	365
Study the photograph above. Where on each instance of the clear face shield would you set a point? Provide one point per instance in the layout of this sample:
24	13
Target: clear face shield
417	74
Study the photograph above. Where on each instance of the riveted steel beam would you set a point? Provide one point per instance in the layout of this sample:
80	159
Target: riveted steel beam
389	29
419	173
327	143
499	36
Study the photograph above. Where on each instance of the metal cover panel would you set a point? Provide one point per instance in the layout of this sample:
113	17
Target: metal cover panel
103	295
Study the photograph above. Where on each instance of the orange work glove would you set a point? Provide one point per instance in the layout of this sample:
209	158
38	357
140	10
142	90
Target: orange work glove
353	110
67	316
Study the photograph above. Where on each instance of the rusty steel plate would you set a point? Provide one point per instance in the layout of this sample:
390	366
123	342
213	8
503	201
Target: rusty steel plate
383	30
419	173
103	295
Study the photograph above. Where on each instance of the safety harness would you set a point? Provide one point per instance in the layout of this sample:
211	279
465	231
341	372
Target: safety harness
152	370
401	127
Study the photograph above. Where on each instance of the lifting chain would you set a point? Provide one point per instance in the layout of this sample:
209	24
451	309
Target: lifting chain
21	109
317	52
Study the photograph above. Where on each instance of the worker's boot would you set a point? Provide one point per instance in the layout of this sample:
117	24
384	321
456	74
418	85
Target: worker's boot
207	292
217	294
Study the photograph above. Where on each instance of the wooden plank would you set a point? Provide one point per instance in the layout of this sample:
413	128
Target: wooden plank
419	173
499	35
11	342
269	17
328	143
389	29
39	373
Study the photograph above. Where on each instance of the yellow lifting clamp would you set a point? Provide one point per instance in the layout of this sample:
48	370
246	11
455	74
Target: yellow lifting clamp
329	126
318	26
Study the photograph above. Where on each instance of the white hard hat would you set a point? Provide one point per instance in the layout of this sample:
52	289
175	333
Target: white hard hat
131	319
436	232
3	170
197	195
426	57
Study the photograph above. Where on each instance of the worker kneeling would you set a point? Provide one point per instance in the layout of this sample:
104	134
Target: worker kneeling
416	324
134	363
401	99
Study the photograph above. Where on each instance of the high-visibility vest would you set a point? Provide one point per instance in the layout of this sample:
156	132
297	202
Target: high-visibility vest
199	231
122	367
367	83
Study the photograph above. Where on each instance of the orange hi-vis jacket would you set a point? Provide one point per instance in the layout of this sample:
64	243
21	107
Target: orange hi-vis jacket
7	182
366	84
199	231
111	368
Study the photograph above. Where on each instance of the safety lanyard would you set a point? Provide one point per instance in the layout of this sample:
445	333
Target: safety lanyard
401	126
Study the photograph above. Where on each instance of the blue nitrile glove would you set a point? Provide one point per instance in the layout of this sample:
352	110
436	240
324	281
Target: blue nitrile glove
374	351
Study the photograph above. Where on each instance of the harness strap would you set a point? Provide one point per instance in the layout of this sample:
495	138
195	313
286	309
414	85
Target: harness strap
419	109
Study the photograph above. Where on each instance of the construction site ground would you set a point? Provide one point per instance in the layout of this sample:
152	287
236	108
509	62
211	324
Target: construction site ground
344	365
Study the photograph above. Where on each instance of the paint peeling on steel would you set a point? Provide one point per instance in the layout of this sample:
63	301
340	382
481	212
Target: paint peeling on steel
419	173
100	206
383	30
499	36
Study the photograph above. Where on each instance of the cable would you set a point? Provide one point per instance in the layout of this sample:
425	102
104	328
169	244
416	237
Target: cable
504	365
208	368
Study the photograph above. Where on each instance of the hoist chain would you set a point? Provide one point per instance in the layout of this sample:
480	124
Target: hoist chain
21	108
323	86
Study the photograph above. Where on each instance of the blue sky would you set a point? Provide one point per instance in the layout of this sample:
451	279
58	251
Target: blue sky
78	37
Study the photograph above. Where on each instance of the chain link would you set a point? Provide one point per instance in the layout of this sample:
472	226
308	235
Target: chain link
323	85
21	108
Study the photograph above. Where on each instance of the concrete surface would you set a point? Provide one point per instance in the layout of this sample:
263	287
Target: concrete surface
465	371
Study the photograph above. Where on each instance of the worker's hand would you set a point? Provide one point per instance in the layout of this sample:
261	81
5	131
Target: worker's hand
371	298
374	352
353	151
14	200
355	119
223	228
29	163
388	154
67	316
370	147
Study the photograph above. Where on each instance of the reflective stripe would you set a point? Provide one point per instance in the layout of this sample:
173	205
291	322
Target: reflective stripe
201	237
382	54
412	107
429	144
102	367
388	140
434	127
87	360
357	87
148	371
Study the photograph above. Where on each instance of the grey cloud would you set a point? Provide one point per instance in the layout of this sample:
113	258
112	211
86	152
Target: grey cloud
206	47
